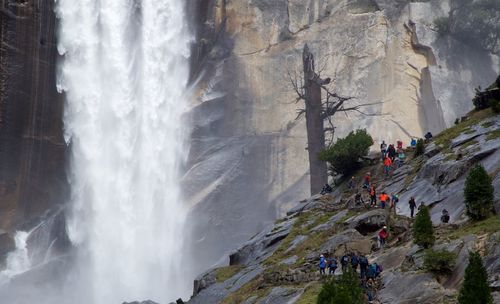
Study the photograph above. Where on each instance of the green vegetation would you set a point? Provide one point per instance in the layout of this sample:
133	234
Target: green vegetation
493	135
495	105
254	288
423	232
420	148
310	295
343	156
224	273
439	262
344	289
444	138
475	289
478	193
488	226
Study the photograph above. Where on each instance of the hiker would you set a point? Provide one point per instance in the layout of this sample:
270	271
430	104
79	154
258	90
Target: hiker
373	196
366	180
387	165
343	262
445	216
428	136
413	205
413	143
383	199
363	265
358	200
332	265
382	236
391	152
326	189
352	183
322	264
383	149
354	261
399	144
394	201
401	158
422	205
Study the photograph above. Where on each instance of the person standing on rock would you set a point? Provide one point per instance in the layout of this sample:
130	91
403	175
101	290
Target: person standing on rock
382	236
363	265
354	262
344	261
332	265
322	265
373	196
366	181
391	152
383	199
383	149
413	205
394	201
387	166
445	216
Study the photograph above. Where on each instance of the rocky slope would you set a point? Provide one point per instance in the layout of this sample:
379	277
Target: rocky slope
248	159
278	265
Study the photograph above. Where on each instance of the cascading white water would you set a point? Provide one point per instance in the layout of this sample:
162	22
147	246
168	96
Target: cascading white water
124	72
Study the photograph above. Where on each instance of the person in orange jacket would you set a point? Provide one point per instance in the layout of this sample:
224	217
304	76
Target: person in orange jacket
384	198
387	165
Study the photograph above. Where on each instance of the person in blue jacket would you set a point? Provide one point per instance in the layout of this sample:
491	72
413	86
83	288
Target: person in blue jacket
322	264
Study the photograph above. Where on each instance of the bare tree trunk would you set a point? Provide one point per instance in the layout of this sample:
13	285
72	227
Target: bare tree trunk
314	122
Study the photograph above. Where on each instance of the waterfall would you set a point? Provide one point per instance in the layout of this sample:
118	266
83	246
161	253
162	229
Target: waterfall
124	71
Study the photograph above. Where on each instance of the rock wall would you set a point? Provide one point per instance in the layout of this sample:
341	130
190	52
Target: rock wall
32	149
248	157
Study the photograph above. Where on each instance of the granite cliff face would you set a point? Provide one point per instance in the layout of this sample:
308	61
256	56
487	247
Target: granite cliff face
248	156
32	149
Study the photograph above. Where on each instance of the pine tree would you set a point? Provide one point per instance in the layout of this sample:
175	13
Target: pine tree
478	193
342	290
420	148
475	289
423	232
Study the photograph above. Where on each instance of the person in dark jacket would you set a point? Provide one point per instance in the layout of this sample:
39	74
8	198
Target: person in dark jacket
413	205
326	189
391	152
363	265
445	216
332	265
354	261
344	261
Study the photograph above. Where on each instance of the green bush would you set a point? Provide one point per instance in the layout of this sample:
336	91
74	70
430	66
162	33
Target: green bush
423	232
475	289
478	193
344	289
344	155
420	148
439	262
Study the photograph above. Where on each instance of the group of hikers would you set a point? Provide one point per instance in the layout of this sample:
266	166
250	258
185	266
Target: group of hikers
368	272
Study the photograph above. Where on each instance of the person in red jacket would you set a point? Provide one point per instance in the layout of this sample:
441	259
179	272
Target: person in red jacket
382	236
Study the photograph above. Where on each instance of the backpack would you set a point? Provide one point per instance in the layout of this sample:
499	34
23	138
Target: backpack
345	259
363	261
332	263
372	270
354	260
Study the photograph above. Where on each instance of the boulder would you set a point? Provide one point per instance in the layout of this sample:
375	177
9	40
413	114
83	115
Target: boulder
407	287
349	239
330	223
204	281
368	222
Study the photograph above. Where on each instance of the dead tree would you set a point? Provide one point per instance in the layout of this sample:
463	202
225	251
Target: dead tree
316	111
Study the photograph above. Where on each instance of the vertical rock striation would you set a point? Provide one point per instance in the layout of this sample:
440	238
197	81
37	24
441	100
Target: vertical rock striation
32	148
